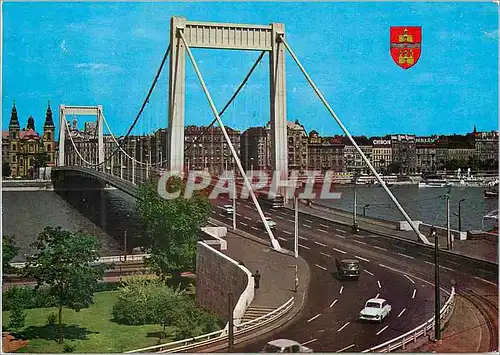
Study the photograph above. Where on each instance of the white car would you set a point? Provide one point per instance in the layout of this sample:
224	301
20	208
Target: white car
272	224
285	346
228	208
376	309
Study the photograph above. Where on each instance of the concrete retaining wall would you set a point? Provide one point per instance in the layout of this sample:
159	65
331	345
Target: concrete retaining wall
216	276
455	235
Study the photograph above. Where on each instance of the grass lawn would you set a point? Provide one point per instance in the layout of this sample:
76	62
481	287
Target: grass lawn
89	331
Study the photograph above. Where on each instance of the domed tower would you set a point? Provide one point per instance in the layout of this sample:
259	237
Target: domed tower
48	135
14	129
31	124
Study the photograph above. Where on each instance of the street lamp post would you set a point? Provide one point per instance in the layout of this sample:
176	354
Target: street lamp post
354	217
364	209
437	306
459	215
296	238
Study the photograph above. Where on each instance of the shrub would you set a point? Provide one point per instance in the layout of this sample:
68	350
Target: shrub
17	316
68	348
51	319
31	298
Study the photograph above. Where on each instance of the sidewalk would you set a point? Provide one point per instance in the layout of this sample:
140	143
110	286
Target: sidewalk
480	249
277	278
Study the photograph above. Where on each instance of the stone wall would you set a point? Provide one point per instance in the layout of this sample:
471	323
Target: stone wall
216	276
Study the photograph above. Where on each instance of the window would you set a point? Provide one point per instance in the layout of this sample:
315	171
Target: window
295	348
14	147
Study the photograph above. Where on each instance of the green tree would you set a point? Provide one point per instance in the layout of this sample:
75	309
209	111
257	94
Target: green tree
17	315
64	262
9	252
172	227
6	171
41	160
394	168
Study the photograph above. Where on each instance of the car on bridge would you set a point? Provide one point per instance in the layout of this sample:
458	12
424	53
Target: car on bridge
285	346
376	309
272	224
228	209
348	268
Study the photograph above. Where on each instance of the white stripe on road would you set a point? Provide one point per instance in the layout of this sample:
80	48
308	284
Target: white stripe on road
324	225
359	241
246	225
347	347
308	220
398	247
305	225
359	257
321	244
378	294
400	313
254	228
239	215
415	277
341	289
340	251
489	282
368	272
446	268
291	220
381	330
321	267
303	238
313	318
406	256
428	262
333	303
321	230
309	341
342	327
414	292
287	232
325	254
378	283
283	239
247	218
279	217
380	248
340	230
303	246
413	282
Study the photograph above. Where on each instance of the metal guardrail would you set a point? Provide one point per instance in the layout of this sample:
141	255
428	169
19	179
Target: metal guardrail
220	337
422	330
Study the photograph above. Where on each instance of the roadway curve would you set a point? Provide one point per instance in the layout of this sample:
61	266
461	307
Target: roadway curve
328	322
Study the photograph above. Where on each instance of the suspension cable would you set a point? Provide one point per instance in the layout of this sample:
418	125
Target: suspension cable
144	103
229	102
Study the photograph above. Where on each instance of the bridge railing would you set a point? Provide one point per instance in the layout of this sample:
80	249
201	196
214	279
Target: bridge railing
219	339
403	340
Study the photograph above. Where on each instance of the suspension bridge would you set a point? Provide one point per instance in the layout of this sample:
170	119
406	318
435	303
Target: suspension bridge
110	160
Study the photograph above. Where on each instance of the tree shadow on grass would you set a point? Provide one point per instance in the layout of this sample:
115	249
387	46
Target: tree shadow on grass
50	332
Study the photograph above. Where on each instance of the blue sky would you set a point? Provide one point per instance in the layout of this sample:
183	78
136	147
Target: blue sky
108	54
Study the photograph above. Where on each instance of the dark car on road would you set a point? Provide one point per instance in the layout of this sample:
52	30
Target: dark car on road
348	268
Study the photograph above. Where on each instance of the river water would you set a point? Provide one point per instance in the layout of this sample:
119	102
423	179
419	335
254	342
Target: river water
25	214
422	204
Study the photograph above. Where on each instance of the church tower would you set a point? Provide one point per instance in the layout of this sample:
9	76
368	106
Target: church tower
14	127
48	135
14	130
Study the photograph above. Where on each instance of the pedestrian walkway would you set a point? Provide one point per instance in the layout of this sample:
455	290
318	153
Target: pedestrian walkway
277	270
480	249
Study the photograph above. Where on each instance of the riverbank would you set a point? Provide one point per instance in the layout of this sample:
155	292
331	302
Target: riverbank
32	185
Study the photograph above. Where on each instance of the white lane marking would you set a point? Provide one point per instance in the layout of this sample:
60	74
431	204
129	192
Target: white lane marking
279	217
368	272
283	239
446	268
340	230
313	318
303	246
321	244
322	230
244	224
414	292
378	294
324	225
342	327
333	303
359	257
309	341
305	225
413	282
254	228
340	251
321	267
303	238
339	236
428	262
359	241
381	330
452	262
398	247
347	347
213	211
291	220
341	289
325	254
238	203
489	282
380	248
308	220
400	313
239	215
378	283
406	256
247	218
287	232
415	277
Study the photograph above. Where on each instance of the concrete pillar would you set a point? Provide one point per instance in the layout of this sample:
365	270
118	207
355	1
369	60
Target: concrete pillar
100	139
278	102
177	93
62	135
